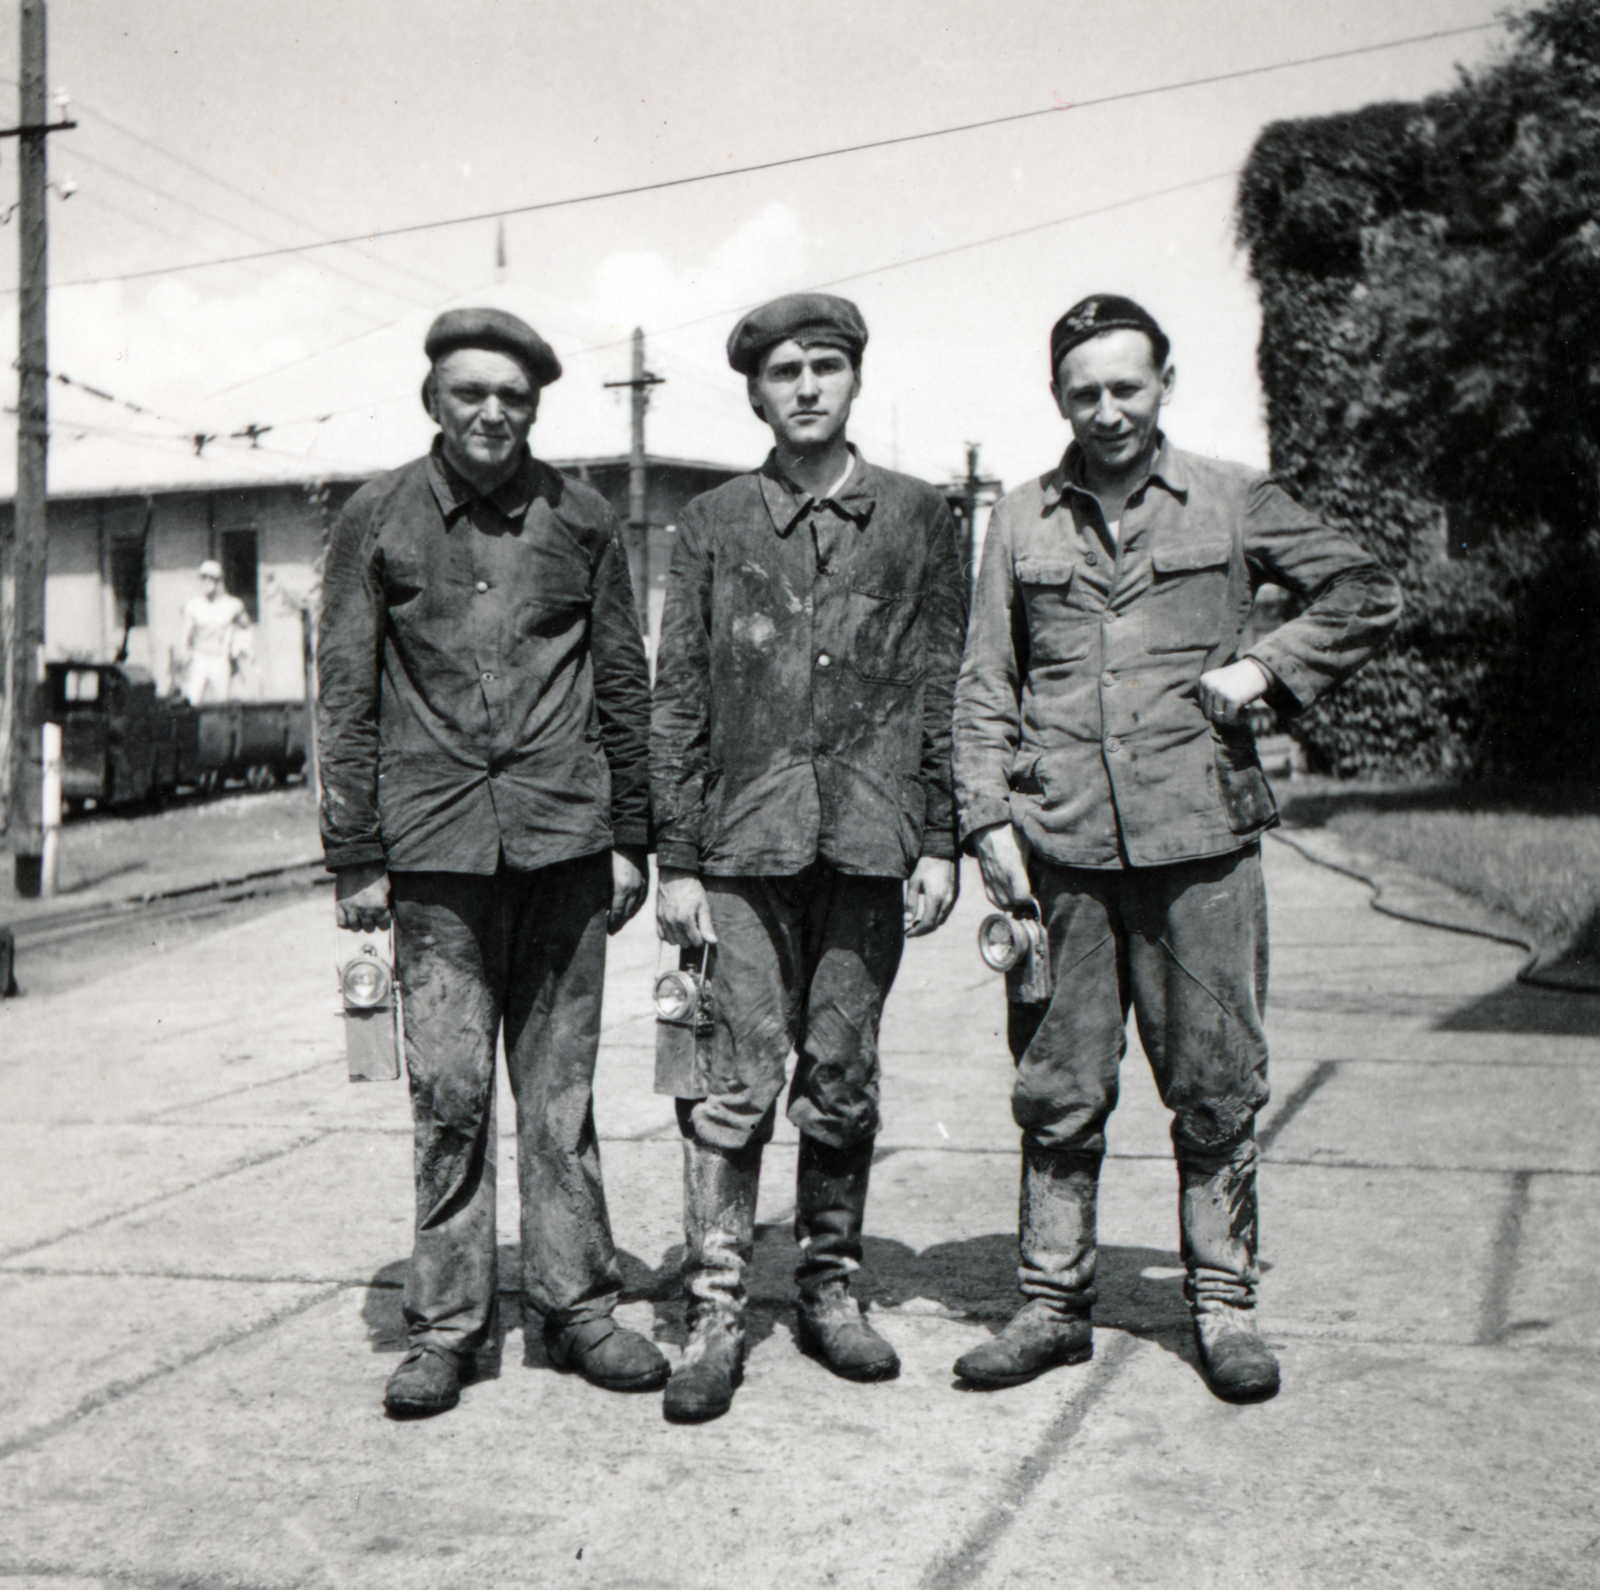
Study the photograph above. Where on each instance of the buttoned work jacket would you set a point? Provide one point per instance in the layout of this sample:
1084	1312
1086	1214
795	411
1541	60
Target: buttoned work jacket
1077	712
802	703
484	689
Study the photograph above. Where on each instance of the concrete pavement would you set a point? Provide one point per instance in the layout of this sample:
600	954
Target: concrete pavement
206	1227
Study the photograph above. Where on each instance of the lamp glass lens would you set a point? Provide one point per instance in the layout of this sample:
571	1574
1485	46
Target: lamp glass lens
675	996
997	943
365	983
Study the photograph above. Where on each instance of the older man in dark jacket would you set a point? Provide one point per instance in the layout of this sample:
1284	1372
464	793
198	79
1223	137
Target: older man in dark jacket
800	765
485	712
1108	784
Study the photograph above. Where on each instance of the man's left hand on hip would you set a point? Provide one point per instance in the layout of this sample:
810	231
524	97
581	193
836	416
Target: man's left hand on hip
1225	692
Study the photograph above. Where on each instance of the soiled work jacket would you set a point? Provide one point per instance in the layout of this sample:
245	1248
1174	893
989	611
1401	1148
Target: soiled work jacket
1077	711
484	691
802	701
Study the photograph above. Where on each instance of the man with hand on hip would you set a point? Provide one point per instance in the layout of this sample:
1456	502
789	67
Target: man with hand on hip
1107	780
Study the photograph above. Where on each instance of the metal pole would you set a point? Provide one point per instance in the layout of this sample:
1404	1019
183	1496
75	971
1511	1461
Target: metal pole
25	818
51	818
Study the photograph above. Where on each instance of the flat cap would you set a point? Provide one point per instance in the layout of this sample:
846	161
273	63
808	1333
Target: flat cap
811	319
1104	312
210	569
493	328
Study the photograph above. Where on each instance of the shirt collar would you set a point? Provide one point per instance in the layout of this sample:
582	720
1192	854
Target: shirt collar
456	494
1168	470
788	504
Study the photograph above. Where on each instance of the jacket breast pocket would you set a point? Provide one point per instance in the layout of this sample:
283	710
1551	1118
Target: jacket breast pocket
1058	631
1188	593
885	638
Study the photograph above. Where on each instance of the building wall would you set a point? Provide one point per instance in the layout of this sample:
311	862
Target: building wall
85	619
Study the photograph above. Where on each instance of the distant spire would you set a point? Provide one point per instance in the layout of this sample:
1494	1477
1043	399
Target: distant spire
500	246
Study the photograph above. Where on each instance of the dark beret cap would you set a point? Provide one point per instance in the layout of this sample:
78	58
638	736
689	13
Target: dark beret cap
811	319
1104	312
493	328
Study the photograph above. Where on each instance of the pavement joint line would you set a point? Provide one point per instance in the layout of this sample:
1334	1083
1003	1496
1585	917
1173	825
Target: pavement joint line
118	1390
1322	1073
139	1578
248	1087
1495	1320
110	1218
962	1565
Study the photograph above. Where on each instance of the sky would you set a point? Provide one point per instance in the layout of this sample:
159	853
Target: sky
206	132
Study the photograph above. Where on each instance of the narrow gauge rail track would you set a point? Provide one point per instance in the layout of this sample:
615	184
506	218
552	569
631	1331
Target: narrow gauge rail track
47	936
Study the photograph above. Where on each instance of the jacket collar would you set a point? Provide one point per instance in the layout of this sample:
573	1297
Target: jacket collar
1170	471
455	494
788	504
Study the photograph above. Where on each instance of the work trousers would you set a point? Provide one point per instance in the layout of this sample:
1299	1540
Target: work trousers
1186	946
522	952
803	965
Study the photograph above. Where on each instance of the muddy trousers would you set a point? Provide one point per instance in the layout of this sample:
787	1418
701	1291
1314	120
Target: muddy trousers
520	954
719	1212
803	966
1185	947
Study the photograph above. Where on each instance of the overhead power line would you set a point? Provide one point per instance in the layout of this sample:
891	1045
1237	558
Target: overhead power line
1122	97
940	253
242	193
736	309
221	220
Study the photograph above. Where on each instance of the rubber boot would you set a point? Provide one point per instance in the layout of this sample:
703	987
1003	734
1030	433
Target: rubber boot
830	1210
1057	1242
1217	1214
719	1224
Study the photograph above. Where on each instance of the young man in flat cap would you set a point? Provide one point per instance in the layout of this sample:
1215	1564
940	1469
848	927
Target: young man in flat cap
1108	781
800	766
485	714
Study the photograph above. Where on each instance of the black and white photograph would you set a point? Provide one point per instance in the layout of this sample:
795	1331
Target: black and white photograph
799	796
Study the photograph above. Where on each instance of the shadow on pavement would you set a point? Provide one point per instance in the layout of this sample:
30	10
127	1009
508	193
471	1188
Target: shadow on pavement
1140	1291
1517	1007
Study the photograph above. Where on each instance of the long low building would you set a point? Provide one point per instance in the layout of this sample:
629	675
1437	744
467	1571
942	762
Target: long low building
123	564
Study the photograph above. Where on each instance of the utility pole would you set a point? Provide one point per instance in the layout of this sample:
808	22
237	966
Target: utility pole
638	476
975	491
25	813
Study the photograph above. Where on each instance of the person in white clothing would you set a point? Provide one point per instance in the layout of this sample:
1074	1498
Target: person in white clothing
216	638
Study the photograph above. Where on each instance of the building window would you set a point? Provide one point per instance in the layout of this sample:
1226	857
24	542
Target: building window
239	569
128	581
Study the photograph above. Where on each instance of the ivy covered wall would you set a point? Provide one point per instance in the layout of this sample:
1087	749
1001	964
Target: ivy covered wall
1430	287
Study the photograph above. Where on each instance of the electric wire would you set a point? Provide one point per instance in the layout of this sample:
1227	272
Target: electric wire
129	133
1122	97
83	155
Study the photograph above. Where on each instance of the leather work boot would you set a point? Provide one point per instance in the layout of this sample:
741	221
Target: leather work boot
609	1355
1239	1366
1217	1213
830	1210
428	1381
1056	1241
719	1223
1037	1338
